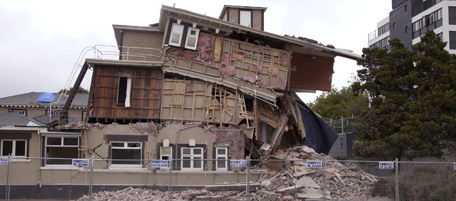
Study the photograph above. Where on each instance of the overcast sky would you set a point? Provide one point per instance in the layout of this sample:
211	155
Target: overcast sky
40	41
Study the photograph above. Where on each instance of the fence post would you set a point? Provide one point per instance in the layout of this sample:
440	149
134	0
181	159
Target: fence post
247	185
324	178
8	179
91	178
170	179
396	179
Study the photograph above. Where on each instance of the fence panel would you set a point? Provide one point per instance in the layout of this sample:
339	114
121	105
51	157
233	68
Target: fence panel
321	178
426	181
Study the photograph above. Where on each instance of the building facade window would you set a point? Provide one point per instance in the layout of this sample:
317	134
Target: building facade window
245	18
191	158
16	148
126	154
19	111
192	38
221	156
452	15
63	149
124	90
177	30
452	40
427	23
383	29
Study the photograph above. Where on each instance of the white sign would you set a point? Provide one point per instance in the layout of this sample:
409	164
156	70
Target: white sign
388	165
81	162
160	163
238	163
454	166
3	161
314	164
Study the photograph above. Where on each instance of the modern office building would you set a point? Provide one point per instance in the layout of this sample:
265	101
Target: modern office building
410	19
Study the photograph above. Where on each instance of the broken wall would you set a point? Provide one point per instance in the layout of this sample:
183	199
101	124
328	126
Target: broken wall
311	72
141	45
145	95
192	100
224	57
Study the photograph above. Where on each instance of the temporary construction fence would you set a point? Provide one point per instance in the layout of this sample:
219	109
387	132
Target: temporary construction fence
203	179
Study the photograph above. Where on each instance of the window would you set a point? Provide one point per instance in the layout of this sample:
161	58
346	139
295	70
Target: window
440	35
453	40
190	158
61	147
245	18
452	15
192	38
175	38
14	148
19	111
394	26
126	153
406	27
123	93
221	153
405	8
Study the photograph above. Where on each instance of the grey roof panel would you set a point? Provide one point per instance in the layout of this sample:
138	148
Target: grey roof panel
15	119
29	99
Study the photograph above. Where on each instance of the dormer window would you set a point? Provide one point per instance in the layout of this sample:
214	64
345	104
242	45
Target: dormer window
192	38
245	18
176	35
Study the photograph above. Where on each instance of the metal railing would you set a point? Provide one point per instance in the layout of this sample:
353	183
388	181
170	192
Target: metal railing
183	179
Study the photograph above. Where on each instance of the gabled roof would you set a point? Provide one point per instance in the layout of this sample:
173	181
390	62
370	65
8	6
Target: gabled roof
29	100
17	120
226	26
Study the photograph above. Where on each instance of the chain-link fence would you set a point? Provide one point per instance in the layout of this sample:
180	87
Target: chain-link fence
193	178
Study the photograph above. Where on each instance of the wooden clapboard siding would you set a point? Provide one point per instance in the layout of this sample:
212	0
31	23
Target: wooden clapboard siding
145	96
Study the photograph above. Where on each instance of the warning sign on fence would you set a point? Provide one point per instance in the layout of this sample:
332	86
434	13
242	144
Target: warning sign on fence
160	163
314	164
81	162
388	165
238	163
3	161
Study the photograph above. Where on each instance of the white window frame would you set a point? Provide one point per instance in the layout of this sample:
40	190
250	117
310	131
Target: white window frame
14	147
192	157
221	156
125	146
245	18
127	92
62	140
190	29
176	29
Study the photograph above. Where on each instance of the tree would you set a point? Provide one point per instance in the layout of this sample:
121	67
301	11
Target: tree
339	103
412	97
80	90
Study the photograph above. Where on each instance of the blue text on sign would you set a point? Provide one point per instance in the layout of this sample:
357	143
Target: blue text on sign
160	163
314	164
386	165
80	162
3	161
238	163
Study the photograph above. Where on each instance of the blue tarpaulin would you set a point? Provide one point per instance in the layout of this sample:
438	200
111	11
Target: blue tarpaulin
46	98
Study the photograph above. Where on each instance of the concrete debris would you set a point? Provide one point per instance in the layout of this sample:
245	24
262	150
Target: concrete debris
129	194
295	181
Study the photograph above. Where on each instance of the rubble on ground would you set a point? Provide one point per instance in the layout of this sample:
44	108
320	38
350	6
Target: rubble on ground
343	182
292	180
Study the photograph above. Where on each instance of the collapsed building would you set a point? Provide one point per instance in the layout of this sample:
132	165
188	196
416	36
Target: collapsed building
191	87
219	88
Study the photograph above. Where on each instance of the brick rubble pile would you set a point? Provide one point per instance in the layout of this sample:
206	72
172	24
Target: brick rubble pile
294	181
